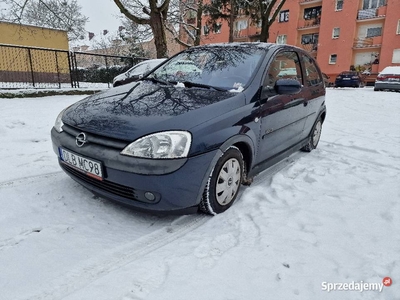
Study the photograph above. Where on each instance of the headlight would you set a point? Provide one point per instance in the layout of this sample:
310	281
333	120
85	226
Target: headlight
168	144
59	123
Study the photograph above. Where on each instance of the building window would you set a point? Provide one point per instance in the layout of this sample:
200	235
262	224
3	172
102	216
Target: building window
217	27
206	30
281	39
398	27
311	38
376	31
396	56
332	59
284	16
373	3
312	12
339	5
335	32
241	24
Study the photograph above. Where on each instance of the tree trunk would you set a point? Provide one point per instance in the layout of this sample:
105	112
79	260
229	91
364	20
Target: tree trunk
197	39
160	38
264	30
231	20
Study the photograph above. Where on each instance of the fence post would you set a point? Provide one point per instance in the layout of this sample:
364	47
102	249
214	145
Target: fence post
31	65
107	73
76	70
58	70
70	69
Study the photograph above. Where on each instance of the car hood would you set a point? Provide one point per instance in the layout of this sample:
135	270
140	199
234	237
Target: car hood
119	77
133	110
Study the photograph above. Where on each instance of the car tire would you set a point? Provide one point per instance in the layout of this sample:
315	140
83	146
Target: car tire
224	182
314	137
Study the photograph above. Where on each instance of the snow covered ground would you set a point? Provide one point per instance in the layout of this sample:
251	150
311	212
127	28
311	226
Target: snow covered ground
315	219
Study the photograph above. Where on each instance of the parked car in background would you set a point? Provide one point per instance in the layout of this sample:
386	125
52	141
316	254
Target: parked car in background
137	71
186	136
349	79
388	79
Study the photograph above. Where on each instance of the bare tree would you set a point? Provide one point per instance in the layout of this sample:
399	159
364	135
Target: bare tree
153	14
227	10
184	21
264	12
58	14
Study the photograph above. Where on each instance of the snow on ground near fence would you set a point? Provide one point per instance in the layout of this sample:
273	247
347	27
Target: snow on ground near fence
319	221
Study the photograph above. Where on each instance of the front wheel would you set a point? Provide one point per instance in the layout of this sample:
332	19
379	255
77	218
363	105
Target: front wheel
224	183
314	137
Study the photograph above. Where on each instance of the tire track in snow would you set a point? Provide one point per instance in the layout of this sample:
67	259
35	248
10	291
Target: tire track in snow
28	179
114	259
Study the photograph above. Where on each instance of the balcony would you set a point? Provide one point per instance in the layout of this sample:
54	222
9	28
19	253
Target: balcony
306	24
304	2
372	13
368	42
312	47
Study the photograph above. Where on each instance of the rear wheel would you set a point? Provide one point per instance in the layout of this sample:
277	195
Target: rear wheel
314	137
224	183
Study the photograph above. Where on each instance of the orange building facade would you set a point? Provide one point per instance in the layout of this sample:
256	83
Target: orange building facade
362	35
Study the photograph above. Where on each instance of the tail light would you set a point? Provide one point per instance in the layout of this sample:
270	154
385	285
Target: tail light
380	78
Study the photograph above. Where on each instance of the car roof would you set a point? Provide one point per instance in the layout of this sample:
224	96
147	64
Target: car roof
391	70
260	45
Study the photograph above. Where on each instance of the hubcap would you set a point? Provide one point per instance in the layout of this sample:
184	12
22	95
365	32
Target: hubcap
317	133
228	181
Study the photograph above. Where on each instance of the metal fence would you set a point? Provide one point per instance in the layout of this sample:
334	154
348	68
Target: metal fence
28	67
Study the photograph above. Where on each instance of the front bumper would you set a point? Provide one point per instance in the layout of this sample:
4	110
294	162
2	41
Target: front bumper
179	189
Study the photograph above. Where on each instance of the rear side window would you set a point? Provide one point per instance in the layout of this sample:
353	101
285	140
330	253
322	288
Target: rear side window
312	76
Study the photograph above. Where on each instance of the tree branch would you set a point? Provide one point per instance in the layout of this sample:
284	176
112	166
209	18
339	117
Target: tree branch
130	16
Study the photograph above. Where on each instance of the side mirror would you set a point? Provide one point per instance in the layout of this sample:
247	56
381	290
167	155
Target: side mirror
287	86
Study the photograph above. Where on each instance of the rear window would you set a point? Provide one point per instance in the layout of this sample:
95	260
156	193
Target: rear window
349	73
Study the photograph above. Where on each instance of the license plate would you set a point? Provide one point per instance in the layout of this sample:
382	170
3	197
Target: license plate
346	78
86	165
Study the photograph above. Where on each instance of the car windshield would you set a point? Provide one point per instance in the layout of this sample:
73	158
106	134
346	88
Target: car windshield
219	67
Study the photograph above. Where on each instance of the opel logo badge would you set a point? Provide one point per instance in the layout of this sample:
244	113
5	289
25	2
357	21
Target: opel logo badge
81	139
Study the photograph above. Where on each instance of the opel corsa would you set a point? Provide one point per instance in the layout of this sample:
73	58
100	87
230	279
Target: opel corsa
187	135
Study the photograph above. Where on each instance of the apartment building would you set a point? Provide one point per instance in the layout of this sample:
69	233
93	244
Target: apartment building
362	35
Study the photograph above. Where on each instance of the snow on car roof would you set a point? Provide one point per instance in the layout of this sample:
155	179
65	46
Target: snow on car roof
391	70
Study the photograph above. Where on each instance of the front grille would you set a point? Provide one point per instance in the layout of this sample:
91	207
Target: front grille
95	138
108	186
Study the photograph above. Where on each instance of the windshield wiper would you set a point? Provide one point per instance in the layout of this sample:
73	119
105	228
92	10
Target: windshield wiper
156	80
190	84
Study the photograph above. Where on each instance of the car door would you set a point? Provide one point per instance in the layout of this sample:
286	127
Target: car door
282	116
313	90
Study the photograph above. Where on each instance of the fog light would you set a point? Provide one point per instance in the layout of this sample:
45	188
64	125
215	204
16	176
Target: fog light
150	196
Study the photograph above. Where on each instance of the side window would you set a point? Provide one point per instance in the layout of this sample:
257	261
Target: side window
312	76
284	65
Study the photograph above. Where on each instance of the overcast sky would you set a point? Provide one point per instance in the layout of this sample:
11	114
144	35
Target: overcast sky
103	14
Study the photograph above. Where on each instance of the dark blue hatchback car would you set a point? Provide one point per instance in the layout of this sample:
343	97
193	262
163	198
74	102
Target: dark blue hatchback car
186	136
